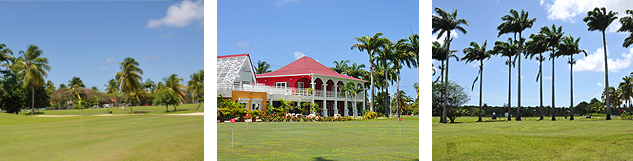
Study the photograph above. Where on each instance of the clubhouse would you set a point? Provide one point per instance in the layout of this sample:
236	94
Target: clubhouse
303	80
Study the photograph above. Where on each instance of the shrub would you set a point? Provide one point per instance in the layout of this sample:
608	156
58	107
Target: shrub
627	116
371	115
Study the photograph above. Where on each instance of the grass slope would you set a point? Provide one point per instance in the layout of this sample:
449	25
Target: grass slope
581	139
351	140
144	137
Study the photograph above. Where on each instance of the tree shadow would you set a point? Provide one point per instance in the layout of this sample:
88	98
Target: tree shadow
321	159
140	112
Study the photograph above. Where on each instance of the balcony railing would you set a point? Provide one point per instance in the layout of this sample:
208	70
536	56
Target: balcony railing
285	91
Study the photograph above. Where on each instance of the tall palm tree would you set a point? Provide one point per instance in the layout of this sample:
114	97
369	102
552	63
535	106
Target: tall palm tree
508	49
444	23
537	45
76	83
355	70
552	38
262	67
371	45
569	47
196	85
340	67
4	56
33	69
407	54
612	97
111	87
627	26
173	83
626	90
129	78
149	85
439	54
599	19
385	56
516	23
477	53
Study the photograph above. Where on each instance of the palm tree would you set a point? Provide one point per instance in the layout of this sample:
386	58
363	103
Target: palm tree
76	83
385	56
262	67
552	38
33	69
537	45
4	55
611	98
340	67
173	83
626	90
444	23
508	49
149	84
627	26
196	85
599	19
371	45
516	23
129	78
111	87
473	53
355	70
570	47
407	54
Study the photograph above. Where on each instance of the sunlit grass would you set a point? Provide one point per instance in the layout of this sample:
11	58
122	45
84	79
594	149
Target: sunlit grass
183	108
580	139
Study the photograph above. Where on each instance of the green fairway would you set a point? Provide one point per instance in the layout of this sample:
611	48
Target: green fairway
351	140
127	137
183	108
580	139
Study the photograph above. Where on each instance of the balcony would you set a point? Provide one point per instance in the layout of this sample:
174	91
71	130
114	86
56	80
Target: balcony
284	91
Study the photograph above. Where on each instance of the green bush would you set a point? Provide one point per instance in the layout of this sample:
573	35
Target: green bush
627	116
371	115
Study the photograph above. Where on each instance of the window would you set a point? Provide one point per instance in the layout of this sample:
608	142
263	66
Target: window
281	84
300	85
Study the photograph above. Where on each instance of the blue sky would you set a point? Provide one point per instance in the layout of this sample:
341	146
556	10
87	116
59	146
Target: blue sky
589	80
89	39
279	31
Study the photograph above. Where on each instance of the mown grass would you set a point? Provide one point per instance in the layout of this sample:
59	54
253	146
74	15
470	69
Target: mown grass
350	140
580	139
133	137
183	108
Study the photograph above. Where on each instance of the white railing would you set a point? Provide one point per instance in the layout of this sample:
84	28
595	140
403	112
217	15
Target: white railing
283	90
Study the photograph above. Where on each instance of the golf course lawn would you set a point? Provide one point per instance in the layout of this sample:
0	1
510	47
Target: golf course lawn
375	139
580	139
124	137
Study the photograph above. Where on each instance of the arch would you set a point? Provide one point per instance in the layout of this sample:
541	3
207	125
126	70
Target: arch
305	81
318	83
330	85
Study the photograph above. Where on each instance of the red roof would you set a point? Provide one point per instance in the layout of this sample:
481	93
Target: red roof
305	66
228	56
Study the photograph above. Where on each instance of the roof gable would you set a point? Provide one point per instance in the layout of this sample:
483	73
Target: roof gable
305	66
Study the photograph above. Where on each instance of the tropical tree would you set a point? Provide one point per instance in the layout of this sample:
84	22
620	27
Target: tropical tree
129	78
33	70
4	55
611	98
516	23
552	41
371	45
445	23
149	85
478	53
627	26
76	83
340	67
569	47
537	45
111	87
173	83
196	86
355	70
600	19
404	54
626	90
508	49
439	54
262	67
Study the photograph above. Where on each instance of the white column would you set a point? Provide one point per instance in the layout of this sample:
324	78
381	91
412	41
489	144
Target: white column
364	110
354	108
324	100
313	91
345	111
335	99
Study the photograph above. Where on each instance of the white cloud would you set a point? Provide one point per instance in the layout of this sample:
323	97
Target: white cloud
595	61
298	55
180	15
145	57
571	10
242	44
280	3
443	37
109	60
600	84
614	27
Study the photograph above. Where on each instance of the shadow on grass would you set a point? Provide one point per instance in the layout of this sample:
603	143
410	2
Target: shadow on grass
177	110
29	113
321	159
140	111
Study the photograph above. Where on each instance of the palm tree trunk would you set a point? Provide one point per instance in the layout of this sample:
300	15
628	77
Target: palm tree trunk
571	89
481	79
398	92
129	99
518	118
32	101
371	69
448	45
509	87
387	107
606	76
553	93
541	76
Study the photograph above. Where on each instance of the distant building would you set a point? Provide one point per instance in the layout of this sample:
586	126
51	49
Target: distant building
304	80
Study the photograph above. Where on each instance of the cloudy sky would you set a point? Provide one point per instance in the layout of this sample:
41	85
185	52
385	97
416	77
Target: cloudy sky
89	39
485	16
281	31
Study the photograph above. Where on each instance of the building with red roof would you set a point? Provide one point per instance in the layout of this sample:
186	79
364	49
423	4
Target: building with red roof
304	80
